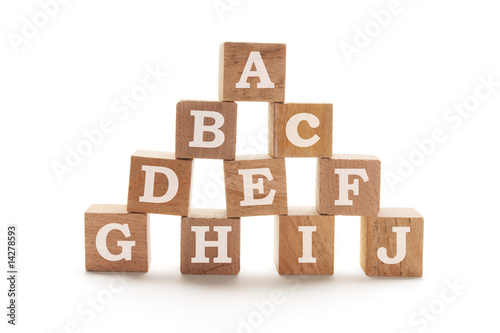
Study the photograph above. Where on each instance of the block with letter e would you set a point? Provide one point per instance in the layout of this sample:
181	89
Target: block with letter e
348	185
116	240
159	183
206	130
252	72
255	185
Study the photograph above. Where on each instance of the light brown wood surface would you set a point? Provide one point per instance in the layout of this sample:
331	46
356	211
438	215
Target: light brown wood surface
366	203
178	205
288	243
235	188
376	232
281	146
185	127
210	218
98	216
233	58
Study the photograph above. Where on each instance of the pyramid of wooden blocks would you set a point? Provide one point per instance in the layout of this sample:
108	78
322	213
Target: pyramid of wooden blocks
304	242
392	243
116	240
210	243
117	236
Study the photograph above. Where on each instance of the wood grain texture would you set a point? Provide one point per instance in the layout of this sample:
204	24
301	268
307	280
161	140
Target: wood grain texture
279	143
210	218
235	187
289	242
179	204
233	58
98	216
185	127
376	232
366	203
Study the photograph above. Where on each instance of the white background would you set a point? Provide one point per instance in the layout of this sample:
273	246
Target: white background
65	78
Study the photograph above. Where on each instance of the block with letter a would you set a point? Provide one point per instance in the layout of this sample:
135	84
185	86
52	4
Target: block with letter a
300	130
255	185
348	185
205	130
116	240
252	72
304	242
159	183
392	243
210	243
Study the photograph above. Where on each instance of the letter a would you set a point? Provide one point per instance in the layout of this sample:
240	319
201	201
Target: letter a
261	72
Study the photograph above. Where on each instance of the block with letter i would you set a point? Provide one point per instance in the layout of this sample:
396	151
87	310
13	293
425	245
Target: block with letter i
159	183
205	130
210	243
348	185
300	130
116	240
252	72
392	243
304	242
255	185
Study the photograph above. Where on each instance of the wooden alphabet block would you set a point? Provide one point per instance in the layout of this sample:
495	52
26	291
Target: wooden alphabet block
255	185
392	243
300	130
252	72
159	183
348	185
116	240
205	130
210	243
304	242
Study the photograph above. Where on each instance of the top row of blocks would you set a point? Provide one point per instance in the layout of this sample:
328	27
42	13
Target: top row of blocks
252	72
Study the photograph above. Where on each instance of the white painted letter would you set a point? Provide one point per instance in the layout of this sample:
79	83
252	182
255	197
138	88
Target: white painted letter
220	244
249	186
126	246
149	183
401	247
307	245
293	135
345	187
200	128
261	72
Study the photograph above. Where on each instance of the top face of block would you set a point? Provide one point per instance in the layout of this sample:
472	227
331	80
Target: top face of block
159	183
206	130
348	185
392	243
300	130
252	72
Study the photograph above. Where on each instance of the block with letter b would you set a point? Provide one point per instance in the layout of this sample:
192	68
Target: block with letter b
392	243
116	240
159	183
210	243
252	72
304	242
255	185
348	185
205	130
300	130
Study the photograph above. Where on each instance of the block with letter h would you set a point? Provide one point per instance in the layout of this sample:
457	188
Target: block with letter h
210	243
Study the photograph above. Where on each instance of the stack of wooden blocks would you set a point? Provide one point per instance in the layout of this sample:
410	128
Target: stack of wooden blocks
117	236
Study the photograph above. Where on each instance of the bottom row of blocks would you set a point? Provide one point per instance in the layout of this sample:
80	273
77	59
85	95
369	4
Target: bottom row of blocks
391	242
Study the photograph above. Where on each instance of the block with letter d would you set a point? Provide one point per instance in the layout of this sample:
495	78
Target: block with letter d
210	243
159	183
255	185
392	243
116	240
206	130
348	185
300	130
